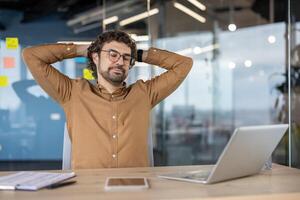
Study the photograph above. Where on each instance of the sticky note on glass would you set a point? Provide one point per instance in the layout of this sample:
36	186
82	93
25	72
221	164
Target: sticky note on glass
9	62
88	74
12	42
3	81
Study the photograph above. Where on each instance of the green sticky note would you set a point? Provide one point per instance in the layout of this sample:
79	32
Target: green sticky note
12	42
88	74
3	81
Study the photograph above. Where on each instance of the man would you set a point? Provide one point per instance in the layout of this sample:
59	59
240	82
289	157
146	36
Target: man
107	121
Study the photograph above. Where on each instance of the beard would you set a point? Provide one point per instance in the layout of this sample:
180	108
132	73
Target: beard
114	75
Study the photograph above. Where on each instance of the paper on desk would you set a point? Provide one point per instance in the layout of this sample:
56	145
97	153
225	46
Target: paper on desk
32	180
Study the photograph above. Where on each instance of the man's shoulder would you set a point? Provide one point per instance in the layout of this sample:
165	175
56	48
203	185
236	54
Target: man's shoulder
141	84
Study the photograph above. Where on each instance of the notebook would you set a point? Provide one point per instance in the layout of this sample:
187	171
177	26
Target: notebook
32	180
244	155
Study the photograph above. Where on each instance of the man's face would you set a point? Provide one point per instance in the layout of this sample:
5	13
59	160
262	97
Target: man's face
114	62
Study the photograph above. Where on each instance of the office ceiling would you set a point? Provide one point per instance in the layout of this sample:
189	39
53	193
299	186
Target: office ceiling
33	10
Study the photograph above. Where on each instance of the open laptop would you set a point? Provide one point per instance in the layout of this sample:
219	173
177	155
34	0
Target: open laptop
245	154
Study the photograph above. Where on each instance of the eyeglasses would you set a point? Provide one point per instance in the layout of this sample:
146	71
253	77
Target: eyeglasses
114	56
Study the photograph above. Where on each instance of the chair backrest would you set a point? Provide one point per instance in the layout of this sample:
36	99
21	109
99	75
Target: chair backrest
67	150
150	148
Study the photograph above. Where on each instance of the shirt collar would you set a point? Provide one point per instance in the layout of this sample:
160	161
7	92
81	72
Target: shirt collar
118	94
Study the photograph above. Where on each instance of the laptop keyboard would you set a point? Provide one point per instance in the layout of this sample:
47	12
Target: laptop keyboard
196	175
191	175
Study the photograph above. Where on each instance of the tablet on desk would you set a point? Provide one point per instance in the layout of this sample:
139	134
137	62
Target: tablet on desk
125	183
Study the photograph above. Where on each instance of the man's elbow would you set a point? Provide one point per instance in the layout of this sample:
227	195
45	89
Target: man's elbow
189	61
26	53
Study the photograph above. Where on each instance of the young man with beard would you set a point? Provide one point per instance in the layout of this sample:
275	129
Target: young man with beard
108	121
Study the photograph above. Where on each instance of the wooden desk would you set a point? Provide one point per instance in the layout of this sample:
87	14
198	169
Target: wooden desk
280	183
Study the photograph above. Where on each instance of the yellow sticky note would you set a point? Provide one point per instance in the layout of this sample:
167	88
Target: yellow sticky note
12	43
9	62
3	81
88	74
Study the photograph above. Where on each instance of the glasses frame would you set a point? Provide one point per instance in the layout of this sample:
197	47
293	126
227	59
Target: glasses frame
131	61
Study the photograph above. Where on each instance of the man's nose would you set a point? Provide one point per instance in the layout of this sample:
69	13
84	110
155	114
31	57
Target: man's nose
121	60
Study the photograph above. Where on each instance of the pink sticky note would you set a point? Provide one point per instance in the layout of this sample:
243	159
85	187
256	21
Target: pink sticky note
9	62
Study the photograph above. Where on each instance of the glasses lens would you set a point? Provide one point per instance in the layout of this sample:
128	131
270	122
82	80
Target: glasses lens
127	58
114	56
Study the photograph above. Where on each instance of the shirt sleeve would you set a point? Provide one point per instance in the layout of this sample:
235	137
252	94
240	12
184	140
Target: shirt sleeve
39	59
177	67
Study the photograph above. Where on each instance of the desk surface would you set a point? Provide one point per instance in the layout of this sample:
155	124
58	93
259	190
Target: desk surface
279	183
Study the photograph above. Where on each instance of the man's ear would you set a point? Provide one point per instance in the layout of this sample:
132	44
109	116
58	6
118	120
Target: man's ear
95	57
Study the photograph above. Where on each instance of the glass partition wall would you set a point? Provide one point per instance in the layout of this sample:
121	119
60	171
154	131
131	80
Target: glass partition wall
245	72
240	57
291	86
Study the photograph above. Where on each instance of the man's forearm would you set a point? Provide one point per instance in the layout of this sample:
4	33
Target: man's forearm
48	54
81	50
39	59
177	67
166	59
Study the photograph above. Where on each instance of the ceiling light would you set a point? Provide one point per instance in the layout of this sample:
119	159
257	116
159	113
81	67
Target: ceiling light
198	4
248	63
231	65
189	12
110	20
139	38
232	27
185	51
208	48
271	39
197	50
139	17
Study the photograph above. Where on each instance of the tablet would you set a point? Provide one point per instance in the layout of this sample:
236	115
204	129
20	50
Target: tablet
125	183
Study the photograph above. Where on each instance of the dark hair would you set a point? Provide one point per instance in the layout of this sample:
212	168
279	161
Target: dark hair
107	37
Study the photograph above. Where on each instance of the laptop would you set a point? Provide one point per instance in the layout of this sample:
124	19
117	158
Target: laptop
245	154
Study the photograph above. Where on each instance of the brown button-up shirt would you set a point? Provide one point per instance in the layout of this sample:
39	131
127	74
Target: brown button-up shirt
106	130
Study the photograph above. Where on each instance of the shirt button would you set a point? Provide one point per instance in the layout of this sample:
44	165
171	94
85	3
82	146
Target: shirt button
114	116
114	136
114	155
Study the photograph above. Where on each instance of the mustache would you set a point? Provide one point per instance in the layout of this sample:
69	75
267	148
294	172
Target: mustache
117	67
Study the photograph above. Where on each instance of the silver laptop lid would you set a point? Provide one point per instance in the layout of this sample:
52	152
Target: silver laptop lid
247	151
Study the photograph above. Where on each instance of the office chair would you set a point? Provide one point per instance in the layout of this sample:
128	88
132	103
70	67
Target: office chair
67	150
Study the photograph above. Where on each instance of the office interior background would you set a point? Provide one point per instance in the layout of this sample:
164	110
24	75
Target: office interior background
246	72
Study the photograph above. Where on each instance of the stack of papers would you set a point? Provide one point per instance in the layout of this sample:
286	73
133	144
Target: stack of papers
32	180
